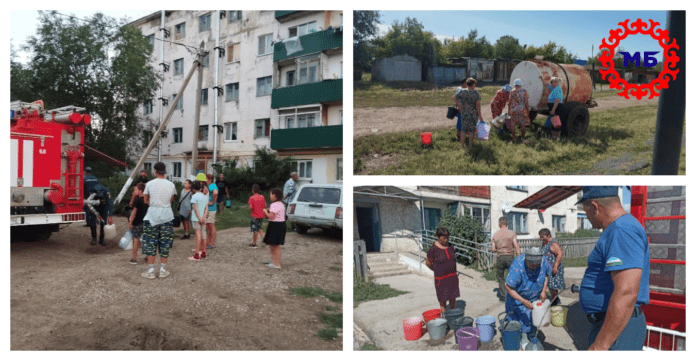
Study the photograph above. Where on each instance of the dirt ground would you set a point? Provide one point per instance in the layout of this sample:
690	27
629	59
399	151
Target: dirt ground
390	120
69	295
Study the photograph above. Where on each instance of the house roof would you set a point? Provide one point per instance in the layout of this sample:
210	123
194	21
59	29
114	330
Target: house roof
548	197
387	191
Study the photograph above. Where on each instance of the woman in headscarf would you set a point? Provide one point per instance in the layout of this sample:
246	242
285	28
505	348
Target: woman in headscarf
527	281
442	259
518	109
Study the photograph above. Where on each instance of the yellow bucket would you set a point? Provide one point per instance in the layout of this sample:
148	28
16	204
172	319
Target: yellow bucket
559	315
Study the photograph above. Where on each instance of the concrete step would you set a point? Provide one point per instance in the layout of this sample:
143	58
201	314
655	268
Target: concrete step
389	274
387	267
381	256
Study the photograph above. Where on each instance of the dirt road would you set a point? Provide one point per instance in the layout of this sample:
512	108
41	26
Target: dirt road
69	295
390	120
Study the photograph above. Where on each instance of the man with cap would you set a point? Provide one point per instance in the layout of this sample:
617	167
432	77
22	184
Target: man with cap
158	233
615	285
527	281
105	208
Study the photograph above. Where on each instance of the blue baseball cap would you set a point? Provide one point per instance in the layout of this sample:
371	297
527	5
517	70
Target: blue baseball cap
88	169
598	192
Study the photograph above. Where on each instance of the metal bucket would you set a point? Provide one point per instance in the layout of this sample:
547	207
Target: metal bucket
467	337
511	336
485	324
437	328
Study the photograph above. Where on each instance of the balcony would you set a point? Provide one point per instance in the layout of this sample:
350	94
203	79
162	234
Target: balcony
287	15
312	93
306	138
319	41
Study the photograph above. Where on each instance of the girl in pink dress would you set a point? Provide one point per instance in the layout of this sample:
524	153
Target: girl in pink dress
275	233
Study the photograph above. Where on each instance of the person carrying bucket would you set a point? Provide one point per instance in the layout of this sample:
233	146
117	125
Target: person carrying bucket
442	259
554	255
527	281
500	100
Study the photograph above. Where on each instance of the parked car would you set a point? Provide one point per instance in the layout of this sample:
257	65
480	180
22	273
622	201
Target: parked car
317	205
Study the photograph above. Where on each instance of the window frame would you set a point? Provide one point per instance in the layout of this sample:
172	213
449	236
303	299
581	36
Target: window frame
151	38
485	208
268	80
203	129
511	222
237	12
176	171
298	27
265	130
178	66
304	62
302	174
235	53
180	104
200	22
177	133
204	99
559	219
180	31
297	112
231	128
339	170
268	44
227	91
294	77
518	188
148	107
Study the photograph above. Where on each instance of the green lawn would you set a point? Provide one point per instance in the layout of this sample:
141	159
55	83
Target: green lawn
368	94
618	141
367	291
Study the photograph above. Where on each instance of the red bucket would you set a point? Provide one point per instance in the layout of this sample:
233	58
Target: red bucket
556	121
413	328
432	314
426	139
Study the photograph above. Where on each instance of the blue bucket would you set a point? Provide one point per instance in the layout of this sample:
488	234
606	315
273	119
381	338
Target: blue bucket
511	336
485	325
228	203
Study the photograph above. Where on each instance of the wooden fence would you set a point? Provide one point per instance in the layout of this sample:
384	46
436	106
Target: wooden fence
572	247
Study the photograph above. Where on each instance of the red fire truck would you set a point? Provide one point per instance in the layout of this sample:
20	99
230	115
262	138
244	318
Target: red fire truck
46	156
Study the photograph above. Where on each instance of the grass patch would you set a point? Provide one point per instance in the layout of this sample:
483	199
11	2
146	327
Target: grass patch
334	320
332	308
311	292
619	141
369	347
408	94
327	334
236	216
367	291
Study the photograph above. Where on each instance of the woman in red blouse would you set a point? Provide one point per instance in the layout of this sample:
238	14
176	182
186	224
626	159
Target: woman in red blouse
442	260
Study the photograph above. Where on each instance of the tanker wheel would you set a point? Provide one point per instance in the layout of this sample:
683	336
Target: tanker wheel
576	119
532	115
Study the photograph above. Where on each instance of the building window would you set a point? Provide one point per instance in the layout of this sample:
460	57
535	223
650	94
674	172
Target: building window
303	168
558	223
151	39
265	46
231	131
203	132
204	96
309	66
147	137
517	222
432	217
147	107
178	135
263	128
232	92
290	78
176	172
303	29
234	15
300	117
180	103
232	52
517	188
206	60
180	31
179	66
148	167
583	222
204	22
481	213
264	86
339	169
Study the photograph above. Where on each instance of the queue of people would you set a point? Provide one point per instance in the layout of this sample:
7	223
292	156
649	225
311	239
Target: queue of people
614	287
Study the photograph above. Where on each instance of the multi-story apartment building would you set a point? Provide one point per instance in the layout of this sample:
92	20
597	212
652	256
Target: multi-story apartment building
248	84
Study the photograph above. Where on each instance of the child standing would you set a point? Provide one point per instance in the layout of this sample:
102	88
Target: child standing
135	223
275	233
199	211
256	203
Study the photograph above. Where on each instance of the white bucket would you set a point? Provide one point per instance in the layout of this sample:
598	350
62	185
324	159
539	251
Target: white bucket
541	317
110	231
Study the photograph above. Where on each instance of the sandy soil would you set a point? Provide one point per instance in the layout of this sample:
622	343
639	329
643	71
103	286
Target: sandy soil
389	120
69	295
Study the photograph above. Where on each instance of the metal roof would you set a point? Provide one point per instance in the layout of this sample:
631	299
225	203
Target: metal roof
387	191
548	197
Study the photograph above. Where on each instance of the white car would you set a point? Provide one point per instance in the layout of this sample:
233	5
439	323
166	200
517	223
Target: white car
317	205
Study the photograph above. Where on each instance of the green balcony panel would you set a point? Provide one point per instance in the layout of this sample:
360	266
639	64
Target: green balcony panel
307	138
311	43
321	92
281	15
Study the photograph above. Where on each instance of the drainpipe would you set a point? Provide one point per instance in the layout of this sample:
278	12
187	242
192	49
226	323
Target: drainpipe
217	84
161	108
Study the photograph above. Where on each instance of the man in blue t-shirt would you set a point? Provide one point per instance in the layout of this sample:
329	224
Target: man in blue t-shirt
212	209
615	285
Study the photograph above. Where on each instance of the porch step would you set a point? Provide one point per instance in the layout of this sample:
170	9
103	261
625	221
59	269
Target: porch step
389	274
385	265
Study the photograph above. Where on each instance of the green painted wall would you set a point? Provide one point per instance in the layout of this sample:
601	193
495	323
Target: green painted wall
311	43
305	138
323	91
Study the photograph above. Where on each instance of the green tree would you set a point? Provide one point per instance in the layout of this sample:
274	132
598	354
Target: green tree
508	47
465	227
20	79
269	171
551	52
409	38
472	46
100	64
364	30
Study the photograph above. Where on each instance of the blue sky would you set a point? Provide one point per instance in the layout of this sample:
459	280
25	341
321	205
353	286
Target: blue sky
575	30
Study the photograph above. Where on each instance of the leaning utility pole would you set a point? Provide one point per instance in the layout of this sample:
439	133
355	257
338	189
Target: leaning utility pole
162	126
194	152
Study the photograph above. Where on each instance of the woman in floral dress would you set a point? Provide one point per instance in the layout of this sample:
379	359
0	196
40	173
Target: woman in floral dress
468	102
442	259
518	109
554	255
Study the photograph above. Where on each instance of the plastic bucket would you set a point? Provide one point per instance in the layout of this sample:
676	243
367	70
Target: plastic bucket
556	121
413	328
426	139
511	336
430	315
437	328
228	203
485	325
467	337
482	130
451	315
461	322
559	315
110	231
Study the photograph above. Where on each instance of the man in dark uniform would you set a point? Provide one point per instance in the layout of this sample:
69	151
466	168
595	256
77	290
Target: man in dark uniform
615	285
105	207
